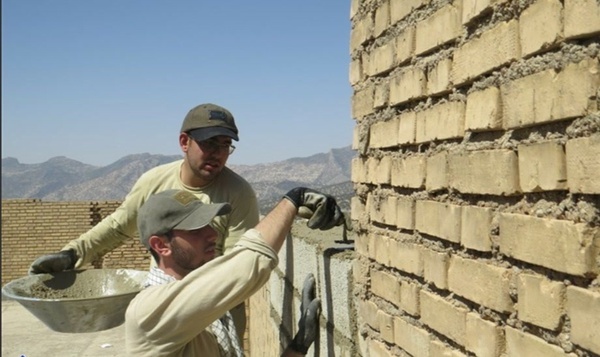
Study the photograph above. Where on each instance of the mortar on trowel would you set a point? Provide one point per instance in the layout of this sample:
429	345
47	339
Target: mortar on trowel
78	301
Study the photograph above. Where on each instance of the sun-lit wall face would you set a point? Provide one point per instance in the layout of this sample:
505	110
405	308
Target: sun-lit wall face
477	191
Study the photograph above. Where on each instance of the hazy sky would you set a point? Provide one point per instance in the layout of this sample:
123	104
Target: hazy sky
97	80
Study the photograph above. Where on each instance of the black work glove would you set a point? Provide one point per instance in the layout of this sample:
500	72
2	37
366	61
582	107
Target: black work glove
54	262
323	211
310	310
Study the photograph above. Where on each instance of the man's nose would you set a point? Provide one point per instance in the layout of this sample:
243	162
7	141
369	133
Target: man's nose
212	235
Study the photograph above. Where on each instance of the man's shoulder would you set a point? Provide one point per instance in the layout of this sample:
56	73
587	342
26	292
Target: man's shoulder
164	168
229	175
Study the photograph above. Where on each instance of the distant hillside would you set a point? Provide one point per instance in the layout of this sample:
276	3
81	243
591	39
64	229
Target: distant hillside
63	179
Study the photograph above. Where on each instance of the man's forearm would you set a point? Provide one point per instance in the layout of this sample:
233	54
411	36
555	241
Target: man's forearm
275	226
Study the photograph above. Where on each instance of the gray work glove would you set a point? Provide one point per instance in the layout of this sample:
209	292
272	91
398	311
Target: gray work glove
54	262
310	310
324	212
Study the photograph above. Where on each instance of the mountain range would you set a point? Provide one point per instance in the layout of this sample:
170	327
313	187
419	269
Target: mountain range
64	179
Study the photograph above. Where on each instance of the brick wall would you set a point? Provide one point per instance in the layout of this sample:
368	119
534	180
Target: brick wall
31	228
478	177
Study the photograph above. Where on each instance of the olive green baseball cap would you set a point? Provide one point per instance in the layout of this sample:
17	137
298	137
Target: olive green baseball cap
207	120
175	209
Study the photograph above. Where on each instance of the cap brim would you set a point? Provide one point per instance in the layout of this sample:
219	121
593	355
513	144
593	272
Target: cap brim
201	134
202	216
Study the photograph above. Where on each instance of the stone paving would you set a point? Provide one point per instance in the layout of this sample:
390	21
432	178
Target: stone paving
23	335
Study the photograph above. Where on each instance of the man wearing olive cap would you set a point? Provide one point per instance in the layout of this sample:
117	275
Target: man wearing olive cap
205	139
184	309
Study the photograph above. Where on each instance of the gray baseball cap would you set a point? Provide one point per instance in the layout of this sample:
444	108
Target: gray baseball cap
175	209
207	120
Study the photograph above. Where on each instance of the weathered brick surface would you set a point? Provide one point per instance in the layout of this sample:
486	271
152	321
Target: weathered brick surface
381	59
382	172
436	177
386	326
411	338
409	84
438	77
484	338
359	170
491	243
265	343
405	213
438	219
443	316
407	128
400	9
484	110
409	298
549	96
383	134
362	103
368	311
382	18
500	44
471	9
435	268
409	171
405	44
378	349
355	72
542	167
441	27
444	121
390	211
380	249
582	18
494	172
406	257
520	343
583	308
541	301
480	282
386	286
440	349
361	32
475	228
540	26
382	94
556	244
583	164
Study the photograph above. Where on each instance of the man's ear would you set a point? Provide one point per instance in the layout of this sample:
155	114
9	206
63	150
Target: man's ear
184	142
160	245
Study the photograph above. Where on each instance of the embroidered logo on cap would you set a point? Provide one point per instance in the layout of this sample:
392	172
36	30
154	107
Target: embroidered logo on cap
184	197
217	115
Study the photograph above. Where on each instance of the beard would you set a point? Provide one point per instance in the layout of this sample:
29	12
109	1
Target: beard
183	258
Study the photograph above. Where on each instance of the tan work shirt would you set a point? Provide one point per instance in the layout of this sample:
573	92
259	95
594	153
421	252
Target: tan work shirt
173	319
121	225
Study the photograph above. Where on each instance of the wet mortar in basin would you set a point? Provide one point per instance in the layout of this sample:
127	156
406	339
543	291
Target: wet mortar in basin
78	301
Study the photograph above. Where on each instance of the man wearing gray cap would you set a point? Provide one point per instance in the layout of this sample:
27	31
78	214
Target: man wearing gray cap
184	309
205	139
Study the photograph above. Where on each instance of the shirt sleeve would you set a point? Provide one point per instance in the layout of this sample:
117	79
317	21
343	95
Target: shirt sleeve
177	312
243	217
112	231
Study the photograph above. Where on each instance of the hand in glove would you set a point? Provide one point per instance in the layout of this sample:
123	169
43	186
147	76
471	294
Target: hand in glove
310	310
54	262
324	211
